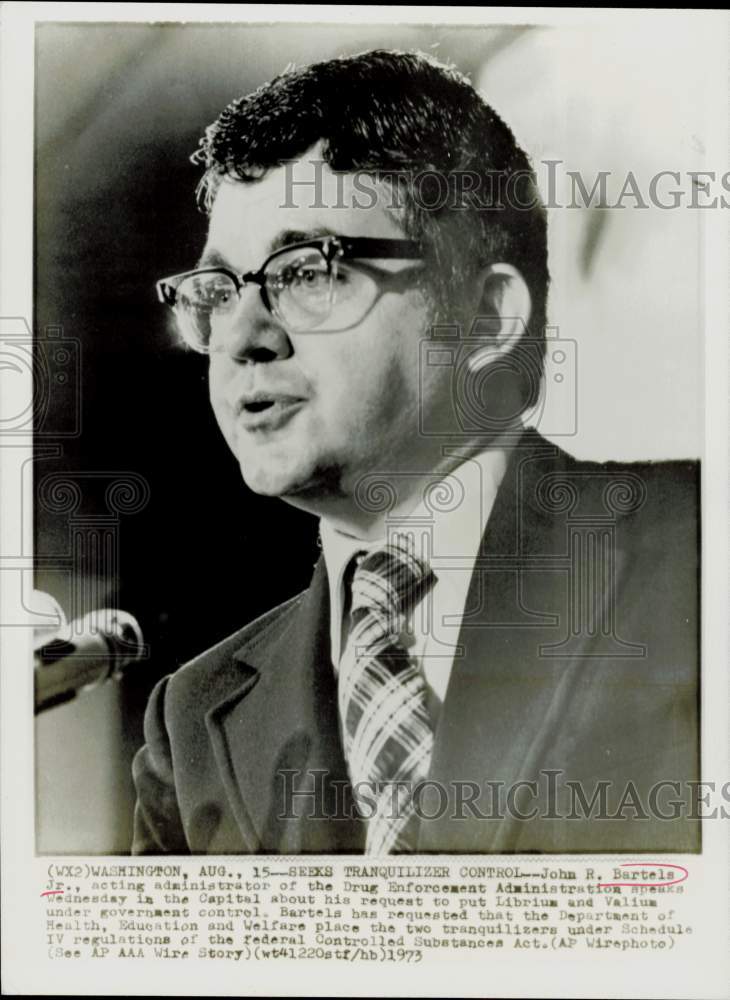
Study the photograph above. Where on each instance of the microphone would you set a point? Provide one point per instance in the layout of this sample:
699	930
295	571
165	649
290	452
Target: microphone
84	653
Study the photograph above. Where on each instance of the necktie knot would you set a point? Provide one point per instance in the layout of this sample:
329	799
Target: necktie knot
390	581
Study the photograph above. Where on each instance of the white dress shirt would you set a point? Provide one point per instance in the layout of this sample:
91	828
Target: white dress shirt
448	525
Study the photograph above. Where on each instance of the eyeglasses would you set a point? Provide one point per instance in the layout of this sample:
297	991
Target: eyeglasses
308	287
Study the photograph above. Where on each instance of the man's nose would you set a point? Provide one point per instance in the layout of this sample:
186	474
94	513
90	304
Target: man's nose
250	333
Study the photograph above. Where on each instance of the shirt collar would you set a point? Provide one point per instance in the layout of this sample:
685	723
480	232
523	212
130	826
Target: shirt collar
454	511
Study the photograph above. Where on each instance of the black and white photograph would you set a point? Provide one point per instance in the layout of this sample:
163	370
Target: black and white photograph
368	498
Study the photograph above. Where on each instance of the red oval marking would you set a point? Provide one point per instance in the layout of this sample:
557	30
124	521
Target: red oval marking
53	892
648	864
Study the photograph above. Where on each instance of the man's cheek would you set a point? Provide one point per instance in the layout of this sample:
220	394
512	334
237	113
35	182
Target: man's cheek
224	419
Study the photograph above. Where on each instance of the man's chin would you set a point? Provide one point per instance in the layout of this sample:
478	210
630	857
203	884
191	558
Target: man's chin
266	482
297	486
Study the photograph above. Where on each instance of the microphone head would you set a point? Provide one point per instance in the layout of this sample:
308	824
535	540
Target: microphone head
85	653
120	632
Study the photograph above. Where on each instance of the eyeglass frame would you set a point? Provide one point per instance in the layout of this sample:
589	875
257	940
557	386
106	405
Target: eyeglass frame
332	248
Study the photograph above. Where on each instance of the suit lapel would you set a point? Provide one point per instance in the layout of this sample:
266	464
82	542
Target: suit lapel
504	701
277	741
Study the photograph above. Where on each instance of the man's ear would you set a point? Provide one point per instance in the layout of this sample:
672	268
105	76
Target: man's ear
506	304
493	358
504	312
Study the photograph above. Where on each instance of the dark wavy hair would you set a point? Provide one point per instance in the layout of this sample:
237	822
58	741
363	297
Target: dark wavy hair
411	120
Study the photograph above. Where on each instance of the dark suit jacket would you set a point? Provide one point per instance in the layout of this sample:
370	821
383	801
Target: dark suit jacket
579	674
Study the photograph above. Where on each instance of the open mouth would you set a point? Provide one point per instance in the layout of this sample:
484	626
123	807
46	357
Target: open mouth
268	413
258	406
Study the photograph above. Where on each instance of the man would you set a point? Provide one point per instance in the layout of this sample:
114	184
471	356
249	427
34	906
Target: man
498	649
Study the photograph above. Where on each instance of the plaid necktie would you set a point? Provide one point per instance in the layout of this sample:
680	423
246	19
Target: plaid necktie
382	697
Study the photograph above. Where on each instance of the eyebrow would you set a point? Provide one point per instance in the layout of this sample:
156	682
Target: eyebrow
213	258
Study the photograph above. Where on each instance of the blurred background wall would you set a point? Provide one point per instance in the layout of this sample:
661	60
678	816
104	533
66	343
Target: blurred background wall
194	555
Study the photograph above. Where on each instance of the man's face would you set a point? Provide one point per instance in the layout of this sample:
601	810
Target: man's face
343	403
